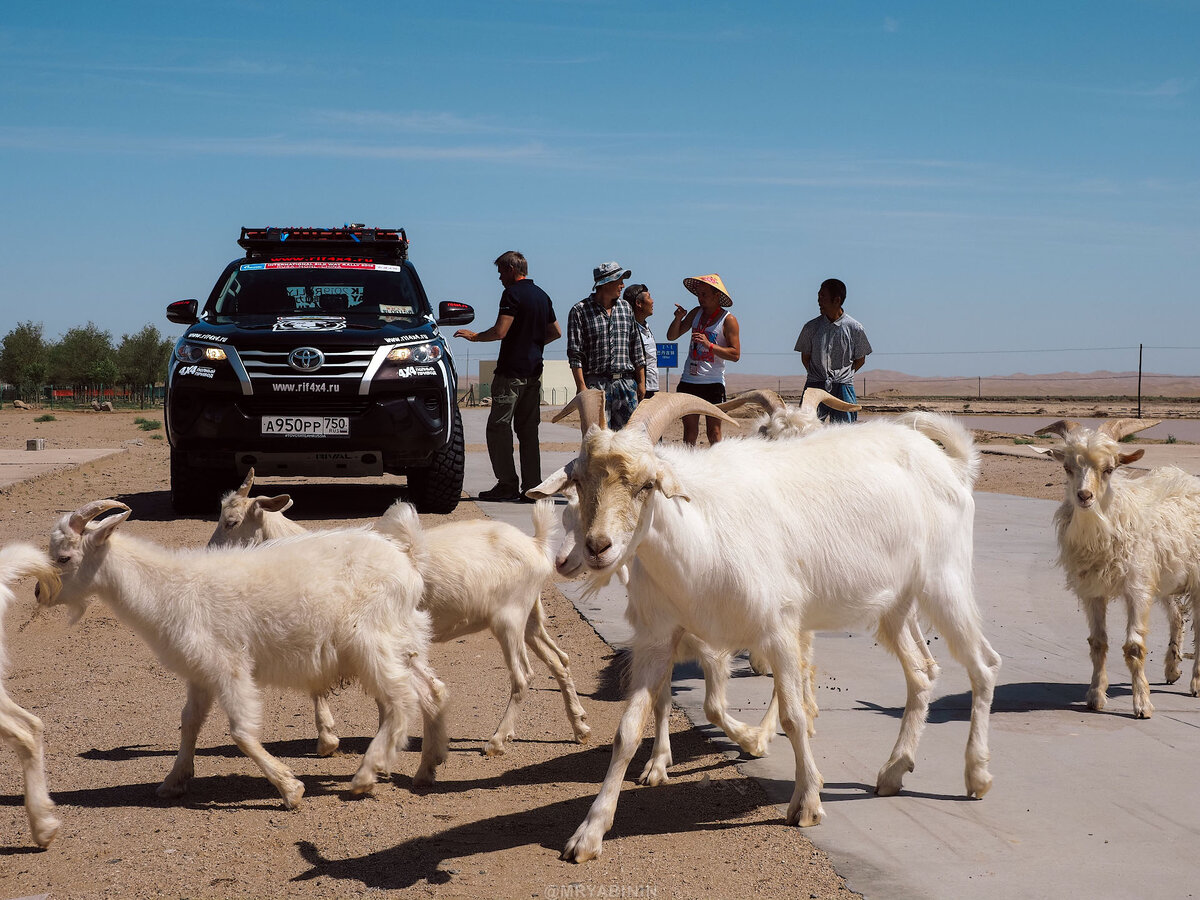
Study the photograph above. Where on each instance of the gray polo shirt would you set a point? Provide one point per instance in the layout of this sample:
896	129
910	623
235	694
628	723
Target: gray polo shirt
833	346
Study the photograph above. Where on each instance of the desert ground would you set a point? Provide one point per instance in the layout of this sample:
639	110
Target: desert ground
490	827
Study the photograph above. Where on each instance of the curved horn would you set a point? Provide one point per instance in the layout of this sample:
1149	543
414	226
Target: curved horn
590	404
814	397
764	397
1062	428
85	514
1123	428
661	410
244	490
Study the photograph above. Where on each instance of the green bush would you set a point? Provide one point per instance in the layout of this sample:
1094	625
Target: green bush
46	417
147	424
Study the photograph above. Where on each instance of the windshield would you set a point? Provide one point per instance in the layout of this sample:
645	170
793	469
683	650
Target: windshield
316	288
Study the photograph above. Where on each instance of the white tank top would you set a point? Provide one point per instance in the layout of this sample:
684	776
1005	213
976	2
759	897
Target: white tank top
703	366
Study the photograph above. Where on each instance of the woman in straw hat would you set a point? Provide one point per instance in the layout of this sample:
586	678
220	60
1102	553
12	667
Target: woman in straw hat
715	341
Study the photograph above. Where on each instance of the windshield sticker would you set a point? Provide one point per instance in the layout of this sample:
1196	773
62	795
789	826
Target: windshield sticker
316	264
326	297
309	323
388	309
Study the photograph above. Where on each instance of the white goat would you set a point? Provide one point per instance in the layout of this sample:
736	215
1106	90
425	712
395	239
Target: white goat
1133	538
304	612
780	421
739	545
19	728
569	563
478	574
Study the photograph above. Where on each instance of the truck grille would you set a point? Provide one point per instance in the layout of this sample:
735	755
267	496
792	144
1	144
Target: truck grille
348	364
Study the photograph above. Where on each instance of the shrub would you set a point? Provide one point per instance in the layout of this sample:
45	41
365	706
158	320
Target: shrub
46	417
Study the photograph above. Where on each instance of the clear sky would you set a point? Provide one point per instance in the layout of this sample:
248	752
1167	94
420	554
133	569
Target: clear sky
986	177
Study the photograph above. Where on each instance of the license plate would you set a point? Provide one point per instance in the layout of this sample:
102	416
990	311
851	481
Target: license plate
306	426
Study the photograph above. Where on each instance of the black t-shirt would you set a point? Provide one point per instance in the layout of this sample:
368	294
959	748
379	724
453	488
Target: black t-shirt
532	312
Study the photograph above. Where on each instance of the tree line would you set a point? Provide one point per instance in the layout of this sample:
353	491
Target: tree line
85	360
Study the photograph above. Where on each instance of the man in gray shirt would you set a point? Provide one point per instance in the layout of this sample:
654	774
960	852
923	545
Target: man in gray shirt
833	346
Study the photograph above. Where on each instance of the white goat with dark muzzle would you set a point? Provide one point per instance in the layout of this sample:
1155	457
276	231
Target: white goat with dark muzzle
478	574
1133	538
19	728
738	545
304	613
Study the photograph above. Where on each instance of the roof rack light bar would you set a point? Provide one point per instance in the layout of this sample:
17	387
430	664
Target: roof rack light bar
374	241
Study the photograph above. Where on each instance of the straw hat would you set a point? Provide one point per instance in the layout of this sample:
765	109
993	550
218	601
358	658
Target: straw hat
713	280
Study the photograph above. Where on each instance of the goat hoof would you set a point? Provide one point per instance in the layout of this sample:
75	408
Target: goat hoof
805	818
493	748
327	748
654	774
292	792
1144	713
424	778
583	845
1096	700
582	734
979	784
45	831
362	786
169	790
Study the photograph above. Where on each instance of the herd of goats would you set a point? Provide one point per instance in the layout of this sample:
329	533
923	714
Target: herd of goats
754	543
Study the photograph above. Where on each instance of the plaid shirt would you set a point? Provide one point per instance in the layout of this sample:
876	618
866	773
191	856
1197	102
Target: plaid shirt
601	343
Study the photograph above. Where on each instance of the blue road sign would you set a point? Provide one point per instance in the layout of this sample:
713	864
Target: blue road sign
668	356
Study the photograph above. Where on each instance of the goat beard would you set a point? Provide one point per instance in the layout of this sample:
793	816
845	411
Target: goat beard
597	579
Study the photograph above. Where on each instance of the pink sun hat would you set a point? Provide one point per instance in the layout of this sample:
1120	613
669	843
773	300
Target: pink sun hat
714	280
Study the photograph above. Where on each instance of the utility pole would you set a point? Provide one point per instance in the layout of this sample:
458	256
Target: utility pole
1139	415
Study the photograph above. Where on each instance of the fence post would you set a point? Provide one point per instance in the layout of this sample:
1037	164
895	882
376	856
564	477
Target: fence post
1139	415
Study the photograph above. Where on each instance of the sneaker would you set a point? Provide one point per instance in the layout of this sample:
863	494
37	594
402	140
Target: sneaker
499	494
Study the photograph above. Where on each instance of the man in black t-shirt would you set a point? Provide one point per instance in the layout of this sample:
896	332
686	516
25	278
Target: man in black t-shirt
524	325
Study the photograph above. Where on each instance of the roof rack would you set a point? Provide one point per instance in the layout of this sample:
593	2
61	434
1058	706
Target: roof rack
350	240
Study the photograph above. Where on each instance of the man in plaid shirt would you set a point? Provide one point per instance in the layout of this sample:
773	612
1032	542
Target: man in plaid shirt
604	348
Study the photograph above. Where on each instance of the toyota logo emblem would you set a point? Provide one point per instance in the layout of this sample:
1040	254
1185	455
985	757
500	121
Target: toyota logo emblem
306	359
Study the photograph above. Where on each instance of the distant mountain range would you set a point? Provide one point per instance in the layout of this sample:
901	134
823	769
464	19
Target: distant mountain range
886	383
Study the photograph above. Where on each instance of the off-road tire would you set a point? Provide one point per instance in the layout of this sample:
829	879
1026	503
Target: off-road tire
437	488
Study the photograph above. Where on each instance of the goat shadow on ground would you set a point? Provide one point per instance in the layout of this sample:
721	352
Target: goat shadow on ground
210	788
1025	697
702	807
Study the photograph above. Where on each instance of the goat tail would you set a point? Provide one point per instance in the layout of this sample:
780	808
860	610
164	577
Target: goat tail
956	441
401	526
19	561
545	528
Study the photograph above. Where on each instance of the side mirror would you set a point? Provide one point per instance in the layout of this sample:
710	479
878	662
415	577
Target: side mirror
182	312
451	312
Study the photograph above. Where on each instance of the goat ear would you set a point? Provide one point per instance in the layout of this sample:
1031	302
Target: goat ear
1126	458
278	503
669	484
551	486
1053	452
99	532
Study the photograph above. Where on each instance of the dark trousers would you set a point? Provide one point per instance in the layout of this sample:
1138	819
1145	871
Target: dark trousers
516	406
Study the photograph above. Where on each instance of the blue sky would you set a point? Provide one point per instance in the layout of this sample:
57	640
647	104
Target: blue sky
1003	187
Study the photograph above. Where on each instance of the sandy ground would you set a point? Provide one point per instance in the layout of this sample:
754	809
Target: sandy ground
491	827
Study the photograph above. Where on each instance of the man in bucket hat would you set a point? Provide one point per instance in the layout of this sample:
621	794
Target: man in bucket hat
604	348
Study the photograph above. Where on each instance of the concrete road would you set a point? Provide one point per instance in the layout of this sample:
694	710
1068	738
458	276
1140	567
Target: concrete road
1084	804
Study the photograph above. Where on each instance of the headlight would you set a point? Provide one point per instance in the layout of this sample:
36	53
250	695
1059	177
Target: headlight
194	353
420	353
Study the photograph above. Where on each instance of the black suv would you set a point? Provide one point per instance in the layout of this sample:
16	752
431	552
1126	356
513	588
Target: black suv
315	354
